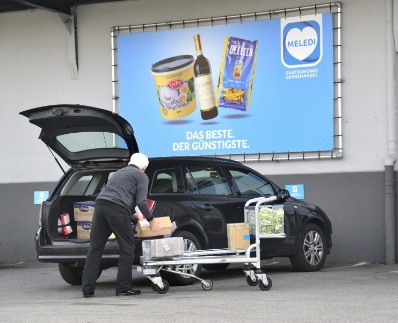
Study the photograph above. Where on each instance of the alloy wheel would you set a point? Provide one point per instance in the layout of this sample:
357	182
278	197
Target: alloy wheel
313	248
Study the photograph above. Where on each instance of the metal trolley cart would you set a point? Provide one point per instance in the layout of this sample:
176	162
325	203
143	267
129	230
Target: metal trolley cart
254	275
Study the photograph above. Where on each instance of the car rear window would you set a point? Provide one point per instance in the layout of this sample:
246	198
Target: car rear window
80	186
81	141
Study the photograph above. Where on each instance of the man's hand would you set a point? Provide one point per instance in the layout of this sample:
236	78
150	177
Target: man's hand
155	225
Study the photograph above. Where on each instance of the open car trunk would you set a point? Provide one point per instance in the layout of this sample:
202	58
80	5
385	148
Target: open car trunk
81	135
79	186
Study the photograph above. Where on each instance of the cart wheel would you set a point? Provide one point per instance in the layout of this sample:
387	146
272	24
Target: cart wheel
262	286
210	285
250	282
159	290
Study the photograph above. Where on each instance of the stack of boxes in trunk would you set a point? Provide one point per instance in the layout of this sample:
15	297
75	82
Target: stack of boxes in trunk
83	214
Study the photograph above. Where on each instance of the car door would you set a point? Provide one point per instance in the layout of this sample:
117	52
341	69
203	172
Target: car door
210	192
252	185
167	192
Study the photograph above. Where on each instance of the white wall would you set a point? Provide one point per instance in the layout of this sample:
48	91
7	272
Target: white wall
34	71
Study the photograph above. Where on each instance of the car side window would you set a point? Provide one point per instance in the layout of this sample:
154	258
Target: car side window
207	180
192	189
109	176
250	184
80	186
167	181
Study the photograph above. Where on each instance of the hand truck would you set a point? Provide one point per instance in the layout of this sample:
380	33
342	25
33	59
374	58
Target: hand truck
254	275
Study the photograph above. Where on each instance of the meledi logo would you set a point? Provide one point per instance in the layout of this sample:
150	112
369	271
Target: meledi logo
301	41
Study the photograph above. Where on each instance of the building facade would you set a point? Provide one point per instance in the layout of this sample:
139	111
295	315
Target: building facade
356	188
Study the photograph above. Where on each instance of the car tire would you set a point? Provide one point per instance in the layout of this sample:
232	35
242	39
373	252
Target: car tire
191	243
222	266
72	275
311	254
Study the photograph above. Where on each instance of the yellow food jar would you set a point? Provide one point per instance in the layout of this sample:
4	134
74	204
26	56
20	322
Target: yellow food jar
175	86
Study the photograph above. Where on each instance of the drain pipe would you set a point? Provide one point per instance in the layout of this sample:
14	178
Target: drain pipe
389	185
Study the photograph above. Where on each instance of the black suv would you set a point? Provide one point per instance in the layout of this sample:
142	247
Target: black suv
199	194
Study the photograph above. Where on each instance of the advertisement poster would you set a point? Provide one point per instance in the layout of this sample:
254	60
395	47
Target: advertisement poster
240	88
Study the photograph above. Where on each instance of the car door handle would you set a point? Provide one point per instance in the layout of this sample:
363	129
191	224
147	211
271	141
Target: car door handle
206	207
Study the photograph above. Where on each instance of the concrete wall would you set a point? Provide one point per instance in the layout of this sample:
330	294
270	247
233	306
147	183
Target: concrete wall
35	72
19	220
352	201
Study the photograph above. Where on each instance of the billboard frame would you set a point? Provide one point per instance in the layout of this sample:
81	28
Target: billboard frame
334	8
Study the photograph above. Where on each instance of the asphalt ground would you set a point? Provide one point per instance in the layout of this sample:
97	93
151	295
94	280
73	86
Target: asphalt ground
35	292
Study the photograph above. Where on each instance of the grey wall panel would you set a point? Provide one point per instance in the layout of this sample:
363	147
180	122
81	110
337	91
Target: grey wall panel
396	216
19	218
353	201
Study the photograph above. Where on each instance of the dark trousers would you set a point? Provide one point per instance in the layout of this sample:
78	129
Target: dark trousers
105	221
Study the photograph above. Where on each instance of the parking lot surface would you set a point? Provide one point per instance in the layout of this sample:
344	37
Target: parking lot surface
35	292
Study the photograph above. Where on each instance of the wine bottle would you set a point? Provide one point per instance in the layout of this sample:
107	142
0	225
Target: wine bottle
204	83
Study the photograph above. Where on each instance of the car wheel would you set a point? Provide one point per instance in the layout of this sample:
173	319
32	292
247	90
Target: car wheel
72	275
311	254
215	266
191	243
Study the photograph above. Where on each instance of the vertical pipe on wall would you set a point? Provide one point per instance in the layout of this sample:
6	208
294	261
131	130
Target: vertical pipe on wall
389	188
389	198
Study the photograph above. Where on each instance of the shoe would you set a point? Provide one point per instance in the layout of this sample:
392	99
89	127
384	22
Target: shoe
129	292
88	295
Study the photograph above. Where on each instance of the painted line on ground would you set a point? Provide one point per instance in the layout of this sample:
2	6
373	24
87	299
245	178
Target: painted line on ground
356	265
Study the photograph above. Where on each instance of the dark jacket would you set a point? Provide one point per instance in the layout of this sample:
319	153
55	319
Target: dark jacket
127	188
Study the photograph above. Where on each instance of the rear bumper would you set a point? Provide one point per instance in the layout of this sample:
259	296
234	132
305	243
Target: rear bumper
76	252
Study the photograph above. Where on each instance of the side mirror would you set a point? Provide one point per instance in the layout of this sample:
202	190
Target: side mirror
284	194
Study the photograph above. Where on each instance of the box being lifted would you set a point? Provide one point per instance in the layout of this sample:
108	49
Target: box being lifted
144	230
163	248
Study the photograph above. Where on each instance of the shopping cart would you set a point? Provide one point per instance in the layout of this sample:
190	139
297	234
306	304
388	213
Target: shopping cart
252	265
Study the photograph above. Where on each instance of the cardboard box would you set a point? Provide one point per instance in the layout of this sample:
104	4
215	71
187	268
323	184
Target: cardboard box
238	236
83	215
144	230
163	248
83	211
83	230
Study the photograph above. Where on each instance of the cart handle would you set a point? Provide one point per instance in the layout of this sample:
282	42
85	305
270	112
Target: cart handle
283	194
262	200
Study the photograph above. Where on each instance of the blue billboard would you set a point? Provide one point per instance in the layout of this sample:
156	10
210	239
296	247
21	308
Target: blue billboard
241	88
